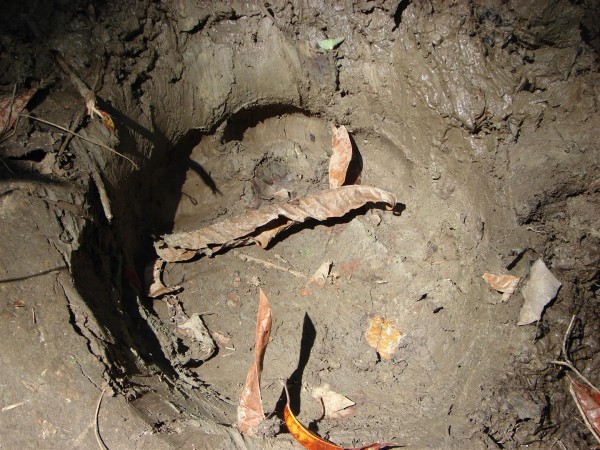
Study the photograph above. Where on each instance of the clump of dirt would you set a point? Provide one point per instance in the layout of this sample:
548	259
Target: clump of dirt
479	117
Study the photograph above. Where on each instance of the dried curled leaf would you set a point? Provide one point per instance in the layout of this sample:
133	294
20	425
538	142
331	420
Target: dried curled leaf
340	158
203	346
312	441
244	229
502	283
250	409
383	336
156	287
10	108
588	404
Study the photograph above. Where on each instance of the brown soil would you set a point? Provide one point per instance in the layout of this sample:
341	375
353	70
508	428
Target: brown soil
481	117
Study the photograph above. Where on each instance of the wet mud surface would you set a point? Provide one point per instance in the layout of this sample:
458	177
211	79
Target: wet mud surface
480	117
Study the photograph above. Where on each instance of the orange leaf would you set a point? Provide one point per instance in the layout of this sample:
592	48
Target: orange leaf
312	441
250	409
588	403
340	158
383	336
107	121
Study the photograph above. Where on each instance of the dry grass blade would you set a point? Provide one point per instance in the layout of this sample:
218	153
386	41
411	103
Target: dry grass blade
244	229
250	409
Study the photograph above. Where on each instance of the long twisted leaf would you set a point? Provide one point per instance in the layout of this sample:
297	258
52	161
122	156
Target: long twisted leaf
254	226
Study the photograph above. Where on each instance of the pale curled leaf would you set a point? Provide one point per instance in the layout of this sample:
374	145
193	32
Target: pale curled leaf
542	286
383	336
336	405
340	158
250	409
203	346
244	229
153	276
319	278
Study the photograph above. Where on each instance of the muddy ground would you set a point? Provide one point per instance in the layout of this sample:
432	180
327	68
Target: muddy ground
482	117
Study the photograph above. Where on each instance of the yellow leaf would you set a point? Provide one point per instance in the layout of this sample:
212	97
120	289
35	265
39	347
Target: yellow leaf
383	336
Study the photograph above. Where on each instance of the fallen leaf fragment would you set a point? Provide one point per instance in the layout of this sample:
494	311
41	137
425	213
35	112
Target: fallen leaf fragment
540	289
243	229
195	330
336	405
319	278
250	409
383	336
340	158
221	339
10	108
157	288
330	44
312	441
502	283
587	400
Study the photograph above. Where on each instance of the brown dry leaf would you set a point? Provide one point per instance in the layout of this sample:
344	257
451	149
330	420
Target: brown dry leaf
336	405
341	156
250	409
312	441
383	336
502	283
587	400
153	275
242	230
11	108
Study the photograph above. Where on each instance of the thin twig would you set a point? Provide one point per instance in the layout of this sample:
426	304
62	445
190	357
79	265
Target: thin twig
101	443
79	116
269	264
567	359
91	141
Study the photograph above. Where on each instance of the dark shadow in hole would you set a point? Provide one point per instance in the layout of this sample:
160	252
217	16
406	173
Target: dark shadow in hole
398	13
205	177
249	117
356	165
127	141
33	275
294	382
16	173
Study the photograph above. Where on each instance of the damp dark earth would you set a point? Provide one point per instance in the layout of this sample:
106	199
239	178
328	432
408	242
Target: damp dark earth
127	123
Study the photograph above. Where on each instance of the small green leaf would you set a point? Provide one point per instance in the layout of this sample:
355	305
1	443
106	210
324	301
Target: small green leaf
330	44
